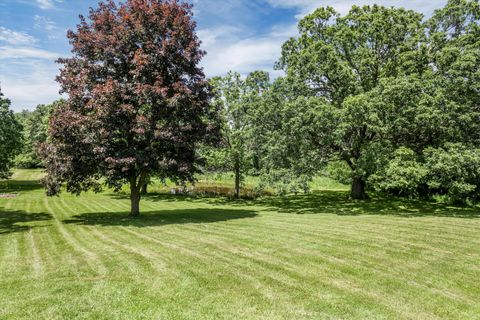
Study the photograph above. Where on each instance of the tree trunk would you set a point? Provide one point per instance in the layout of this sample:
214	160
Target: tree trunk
237	179
145	188
358	189
134	200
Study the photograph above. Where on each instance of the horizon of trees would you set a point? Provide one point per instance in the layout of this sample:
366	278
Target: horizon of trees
380	98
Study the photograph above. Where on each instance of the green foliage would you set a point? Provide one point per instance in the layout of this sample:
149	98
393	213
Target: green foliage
341	60
360	86
454	171
35	133
454	43
403	175
339	171
10	137
238	99
284	181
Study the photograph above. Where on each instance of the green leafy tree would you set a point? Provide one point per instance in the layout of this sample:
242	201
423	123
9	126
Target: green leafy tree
10	137
238	99
286	124
340	60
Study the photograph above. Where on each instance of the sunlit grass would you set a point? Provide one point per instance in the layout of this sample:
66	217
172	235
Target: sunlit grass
315	256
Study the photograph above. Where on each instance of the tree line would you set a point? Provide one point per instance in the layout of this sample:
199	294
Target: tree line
381	98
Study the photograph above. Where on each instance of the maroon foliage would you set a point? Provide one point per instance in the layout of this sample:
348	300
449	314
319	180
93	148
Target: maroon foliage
138	101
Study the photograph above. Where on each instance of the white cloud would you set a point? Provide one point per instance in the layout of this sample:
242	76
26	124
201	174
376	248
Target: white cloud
7	52
34	85
26	72
15	37
226	50
41	22
47	4
48	27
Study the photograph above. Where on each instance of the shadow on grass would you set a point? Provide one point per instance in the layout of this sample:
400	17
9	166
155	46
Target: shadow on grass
14	186
12	220
159	218
334	202
338	202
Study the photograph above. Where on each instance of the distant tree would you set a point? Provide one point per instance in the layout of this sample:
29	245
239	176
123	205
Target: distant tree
10	137
35	133
138	105
238	99
339	60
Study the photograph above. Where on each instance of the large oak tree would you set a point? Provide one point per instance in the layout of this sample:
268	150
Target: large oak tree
138	102
378	79
340	60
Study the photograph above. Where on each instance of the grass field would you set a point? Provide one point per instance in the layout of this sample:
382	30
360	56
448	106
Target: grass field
317	256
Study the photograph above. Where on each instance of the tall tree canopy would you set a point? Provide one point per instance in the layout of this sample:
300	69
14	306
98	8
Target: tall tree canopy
340	60
138	102
374	80
10	137
444	108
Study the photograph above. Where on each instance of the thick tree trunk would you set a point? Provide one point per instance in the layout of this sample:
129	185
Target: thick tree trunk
358	189
237	179
134	200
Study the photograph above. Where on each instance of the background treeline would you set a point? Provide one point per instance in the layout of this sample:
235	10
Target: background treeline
34	132
380	98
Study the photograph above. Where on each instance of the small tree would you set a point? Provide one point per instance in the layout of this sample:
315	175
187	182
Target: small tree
138	102
238	98
10	137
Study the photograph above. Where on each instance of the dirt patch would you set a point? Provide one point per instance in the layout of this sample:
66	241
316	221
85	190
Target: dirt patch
8	195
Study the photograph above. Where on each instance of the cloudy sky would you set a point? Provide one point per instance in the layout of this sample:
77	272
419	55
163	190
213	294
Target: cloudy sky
240	35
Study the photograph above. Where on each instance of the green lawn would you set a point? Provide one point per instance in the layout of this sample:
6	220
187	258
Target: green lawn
316	256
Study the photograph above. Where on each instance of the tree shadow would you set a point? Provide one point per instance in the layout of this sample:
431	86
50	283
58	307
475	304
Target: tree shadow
331	202
13	220
160	218
157	197
338	202
14	186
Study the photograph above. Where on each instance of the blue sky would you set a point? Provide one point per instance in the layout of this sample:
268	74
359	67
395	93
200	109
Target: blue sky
240	35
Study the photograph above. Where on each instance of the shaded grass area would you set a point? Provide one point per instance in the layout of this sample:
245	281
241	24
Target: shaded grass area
160	218
329	202
17	220
316	256
338	202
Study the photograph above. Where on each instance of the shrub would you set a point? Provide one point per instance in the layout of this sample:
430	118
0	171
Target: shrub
403	175
454	170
